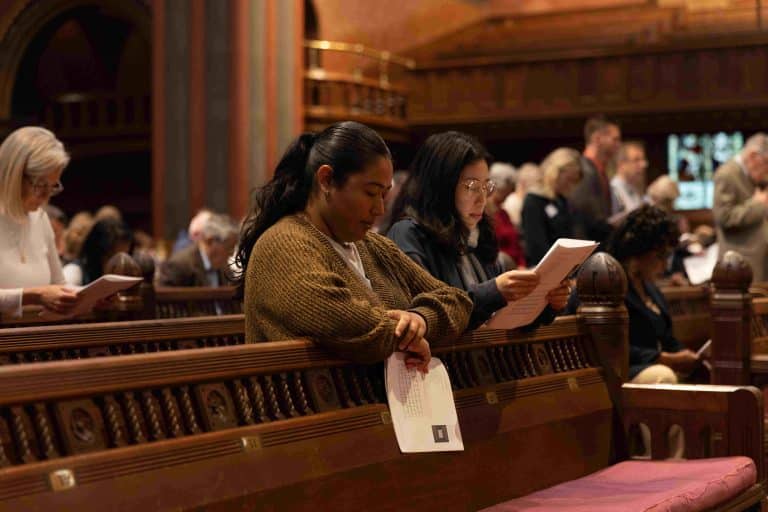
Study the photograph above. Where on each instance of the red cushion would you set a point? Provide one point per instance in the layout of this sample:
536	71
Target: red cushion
669	486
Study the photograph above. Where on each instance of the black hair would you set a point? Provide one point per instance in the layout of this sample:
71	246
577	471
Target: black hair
645	229
428	195
100	242
347	147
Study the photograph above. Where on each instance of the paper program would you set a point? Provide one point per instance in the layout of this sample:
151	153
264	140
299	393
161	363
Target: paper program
422	407
563	257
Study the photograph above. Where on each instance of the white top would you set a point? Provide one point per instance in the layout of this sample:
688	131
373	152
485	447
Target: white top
28	258
624	197
348	252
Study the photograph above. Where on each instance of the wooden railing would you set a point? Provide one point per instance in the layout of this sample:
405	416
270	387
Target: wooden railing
98	115
345	81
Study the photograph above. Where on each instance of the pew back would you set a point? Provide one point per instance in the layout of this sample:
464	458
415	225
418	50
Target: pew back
285	426
689	310
80	341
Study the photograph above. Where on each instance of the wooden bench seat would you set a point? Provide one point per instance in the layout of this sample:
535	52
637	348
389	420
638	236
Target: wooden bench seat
79	341
287	426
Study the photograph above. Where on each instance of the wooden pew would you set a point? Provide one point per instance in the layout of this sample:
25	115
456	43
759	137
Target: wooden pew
176	302
689	310
286	426
80	341
161	302
739	334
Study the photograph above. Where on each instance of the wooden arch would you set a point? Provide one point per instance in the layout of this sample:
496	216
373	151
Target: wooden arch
32	17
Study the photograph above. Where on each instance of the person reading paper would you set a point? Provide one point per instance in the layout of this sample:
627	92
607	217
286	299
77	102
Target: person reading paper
442	225
642	244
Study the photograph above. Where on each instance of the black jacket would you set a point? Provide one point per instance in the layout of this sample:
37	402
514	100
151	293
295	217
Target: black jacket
648	331
544	220
443	264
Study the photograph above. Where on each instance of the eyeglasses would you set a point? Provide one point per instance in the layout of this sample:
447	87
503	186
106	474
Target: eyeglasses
475	186
42	187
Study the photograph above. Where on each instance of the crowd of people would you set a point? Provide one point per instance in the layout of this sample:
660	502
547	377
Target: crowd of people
340	249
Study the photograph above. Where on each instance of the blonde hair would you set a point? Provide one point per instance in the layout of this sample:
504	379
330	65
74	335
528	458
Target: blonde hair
32	151
553	165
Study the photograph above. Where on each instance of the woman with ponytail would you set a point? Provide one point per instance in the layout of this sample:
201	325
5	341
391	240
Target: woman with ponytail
311	267
442	225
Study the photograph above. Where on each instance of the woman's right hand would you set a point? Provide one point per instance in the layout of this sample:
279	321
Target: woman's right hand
418	355
516	284
56	297
684	361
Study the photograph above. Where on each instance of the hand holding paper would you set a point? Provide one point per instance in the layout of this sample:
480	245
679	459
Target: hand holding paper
88	296
563	257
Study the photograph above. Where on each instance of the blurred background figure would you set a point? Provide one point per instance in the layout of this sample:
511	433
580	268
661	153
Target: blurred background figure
192	233
546	212
108	211
74	236
511	253
205	262
59	224
627	185
528	177
106	238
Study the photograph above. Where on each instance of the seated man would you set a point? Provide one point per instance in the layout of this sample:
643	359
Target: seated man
203	263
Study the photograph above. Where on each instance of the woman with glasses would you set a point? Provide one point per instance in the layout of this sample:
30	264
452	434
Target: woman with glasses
642	244
31	163
443	226
546	215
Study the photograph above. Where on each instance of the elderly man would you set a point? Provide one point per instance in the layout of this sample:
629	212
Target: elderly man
741	205
627	185
205	262
591	200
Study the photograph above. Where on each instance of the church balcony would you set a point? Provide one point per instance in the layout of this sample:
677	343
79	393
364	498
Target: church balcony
345	81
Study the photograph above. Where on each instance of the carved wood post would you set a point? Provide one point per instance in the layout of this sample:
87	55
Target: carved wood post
731	307
602	287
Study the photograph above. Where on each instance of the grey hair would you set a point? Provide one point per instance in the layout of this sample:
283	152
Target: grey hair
758	143
219	227
503	174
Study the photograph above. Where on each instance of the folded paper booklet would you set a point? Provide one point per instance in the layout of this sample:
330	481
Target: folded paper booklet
562	259
422	407
103	287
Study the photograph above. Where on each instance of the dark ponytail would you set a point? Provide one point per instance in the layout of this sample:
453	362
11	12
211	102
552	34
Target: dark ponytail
347	147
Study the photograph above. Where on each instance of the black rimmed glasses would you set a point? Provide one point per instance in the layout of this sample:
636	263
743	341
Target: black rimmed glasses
476	186
41	187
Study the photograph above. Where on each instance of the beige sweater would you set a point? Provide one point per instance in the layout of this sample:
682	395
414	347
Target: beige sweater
298	286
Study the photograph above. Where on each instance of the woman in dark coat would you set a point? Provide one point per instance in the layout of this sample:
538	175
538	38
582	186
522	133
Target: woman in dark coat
441	224
643	243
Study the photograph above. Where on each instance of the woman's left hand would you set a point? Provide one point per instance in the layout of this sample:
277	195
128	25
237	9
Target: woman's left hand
410	327
558	297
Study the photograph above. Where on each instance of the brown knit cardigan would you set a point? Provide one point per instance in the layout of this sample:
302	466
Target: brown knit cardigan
298	286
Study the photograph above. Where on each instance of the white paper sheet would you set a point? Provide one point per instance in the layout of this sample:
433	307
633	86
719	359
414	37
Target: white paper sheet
89	295
699	268
565	255
422	407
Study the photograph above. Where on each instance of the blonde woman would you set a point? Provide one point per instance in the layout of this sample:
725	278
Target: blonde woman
31	163
546	215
